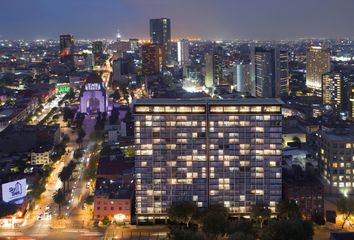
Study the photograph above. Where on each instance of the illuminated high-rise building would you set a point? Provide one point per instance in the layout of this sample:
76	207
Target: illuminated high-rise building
332	89
271	72
213	66
153	59
317	64
67	49
242	78
160	33
336	154
265	71
283	73
207	151
351	100
183	52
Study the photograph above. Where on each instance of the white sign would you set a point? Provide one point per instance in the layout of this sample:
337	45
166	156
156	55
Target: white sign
14	190
93	87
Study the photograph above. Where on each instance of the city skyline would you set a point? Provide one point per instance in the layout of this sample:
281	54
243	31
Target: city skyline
224	20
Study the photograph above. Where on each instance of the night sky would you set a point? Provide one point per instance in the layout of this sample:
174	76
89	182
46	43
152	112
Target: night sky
208	19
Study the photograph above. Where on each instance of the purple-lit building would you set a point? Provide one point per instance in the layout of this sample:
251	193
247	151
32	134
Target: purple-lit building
93	96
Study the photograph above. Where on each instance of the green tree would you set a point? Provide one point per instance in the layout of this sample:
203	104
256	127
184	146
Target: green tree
64	176
184	234
59	198
215	222
106	220
241	236
345	206
68	114
241	226
182	212
288	210
129	152
215	225
66	173
288	230
260	213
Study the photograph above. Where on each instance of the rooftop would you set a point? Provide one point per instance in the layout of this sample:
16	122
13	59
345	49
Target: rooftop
113	189
210	101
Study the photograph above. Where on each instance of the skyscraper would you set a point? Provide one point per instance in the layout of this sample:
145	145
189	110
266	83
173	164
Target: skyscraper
124	70
271	72
153	59
213	66
317	64
242	78
207	151
67	48
351	100
183	52
284	73
265	71
160	33
332	89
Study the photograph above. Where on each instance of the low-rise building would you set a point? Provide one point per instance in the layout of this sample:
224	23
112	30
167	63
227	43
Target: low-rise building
307	191
113	200
41	155
336	154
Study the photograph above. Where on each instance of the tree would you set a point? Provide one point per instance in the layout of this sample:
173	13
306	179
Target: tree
78	154
59	198
345	206
241	226
66	173
66	139
288	230
184	234
129	152
182	212
64	176
219	209
260	213
68	114
241	236
106	220
288	210
215	225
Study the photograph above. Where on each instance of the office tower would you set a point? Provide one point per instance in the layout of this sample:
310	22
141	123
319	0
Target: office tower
351	100
67	49
242	77
213	66
124	70
284	73
160	34
336	152
332	90
153	59
271	72
97	48
208	152
265	71
253	69
183	52
317	64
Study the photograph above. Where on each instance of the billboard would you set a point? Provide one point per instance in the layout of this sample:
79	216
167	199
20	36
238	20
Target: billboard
14	190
